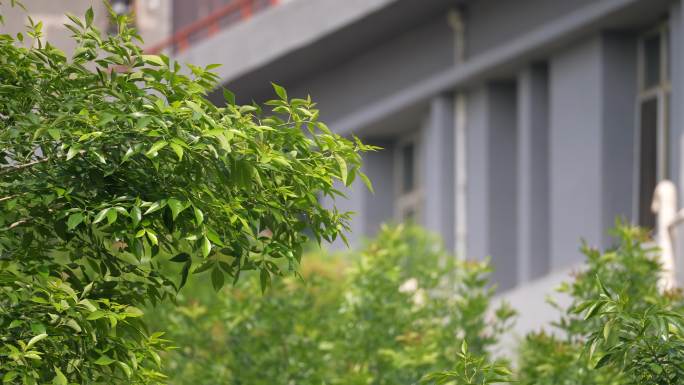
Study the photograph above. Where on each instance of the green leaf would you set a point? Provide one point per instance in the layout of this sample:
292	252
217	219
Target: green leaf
155	207
204	266
74	220
603	288
606	329
182	257
130	152
9	376
89	16
152	237
99	156
35	340
176	207
152	152
217	279
105	118
97	314
366	181
126	369
603	361
264	280
280	91
55	133
143	122
136	215
178	149
206	247
229	96
153	59
199	217
593	310
59	378
104	361
74	325
184	274
343	168
100	216
134	312
73	151
111	216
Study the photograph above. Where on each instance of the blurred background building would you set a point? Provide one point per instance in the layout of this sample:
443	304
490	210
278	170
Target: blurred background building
512	128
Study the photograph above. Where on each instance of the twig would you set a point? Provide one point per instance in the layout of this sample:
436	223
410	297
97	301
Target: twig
17	167
15	224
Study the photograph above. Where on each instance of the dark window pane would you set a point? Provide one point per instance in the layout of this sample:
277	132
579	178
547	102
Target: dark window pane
648	161
408	168
668	61
652	61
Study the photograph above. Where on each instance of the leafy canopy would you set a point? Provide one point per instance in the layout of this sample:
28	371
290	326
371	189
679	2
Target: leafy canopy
112	161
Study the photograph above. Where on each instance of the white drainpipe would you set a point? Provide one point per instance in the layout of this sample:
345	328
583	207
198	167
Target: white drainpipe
665	207
456	20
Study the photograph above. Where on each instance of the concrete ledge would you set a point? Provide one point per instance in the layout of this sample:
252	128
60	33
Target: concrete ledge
495	61
534	312
275	32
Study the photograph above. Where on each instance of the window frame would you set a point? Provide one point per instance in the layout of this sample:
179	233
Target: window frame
661	92
406	202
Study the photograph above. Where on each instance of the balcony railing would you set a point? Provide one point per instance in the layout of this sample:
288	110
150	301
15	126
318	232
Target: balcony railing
208	26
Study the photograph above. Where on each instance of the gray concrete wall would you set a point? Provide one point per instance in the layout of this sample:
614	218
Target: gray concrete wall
591	142
575	150
533	172
276	32
384	70
619	122
492	23
535	313
492	179
438	169
477	169
378	207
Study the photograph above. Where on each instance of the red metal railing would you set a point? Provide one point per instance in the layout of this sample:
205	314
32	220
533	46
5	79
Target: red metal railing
210	25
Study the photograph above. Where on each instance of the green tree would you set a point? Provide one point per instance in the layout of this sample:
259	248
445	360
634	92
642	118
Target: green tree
113	161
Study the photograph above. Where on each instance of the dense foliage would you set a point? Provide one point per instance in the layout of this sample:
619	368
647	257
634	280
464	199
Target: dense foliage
386	315
113	161
403	312
619	329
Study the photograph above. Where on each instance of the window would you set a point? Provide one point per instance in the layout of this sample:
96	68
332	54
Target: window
408	189
653	105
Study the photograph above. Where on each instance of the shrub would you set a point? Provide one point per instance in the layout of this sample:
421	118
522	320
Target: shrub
619	329
386	315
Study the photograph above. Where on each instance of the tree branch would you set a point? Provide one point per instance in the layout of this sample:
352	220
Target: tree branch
18	167
15	224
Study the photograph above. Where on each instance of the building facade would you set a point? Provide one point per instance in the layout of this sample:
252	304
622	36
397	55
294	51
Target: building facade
513	129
